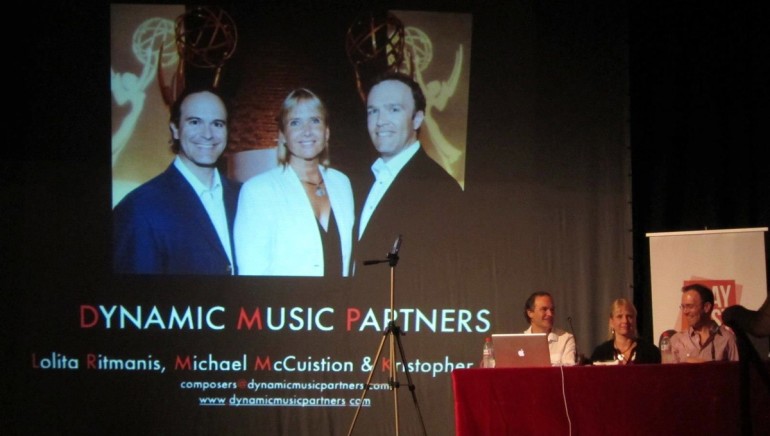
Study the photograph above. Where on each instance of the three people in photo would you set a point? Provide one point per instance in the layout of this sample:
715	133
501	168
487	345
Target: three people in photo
300	218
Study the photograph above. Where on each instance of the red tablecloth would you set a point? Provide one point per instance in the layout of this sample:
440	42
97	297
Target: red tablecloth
684	399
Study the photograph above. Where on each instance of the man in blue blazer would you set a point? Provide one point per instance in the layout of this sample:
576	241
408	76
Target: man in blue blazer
181	221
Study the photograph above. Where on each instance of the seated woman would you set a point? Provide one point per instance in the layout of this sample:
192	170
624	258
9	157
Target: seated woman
297	219
624	347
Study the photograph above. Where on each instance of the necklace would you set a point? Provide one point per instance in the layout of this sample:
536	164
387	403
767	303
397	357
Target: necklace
319	187
621	355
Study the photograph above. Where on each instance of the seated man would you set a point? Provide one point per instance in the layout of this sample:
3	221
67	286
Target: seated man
704	340
539	311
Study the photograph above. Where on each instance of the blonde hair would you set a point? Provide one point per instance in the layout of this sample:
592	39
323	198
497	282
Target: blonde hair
619	304
294	98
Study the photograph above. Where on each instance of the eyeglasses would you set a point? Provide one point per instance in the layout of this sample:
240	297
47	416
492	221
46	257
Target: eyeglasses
688	306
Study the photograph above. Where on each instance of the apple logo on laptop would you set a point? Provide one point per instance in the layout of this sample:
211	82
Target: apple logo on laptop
520	352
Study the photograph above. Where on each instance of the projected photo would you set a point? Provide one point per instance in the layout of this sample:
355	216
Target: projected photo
225	164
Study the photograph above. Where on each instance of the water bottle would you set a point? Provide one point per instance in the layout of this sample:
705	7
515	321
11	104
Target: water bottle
666	355
488	356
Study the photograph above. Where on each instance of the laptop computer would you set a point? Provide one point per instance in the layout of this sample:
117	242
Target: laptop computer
515	350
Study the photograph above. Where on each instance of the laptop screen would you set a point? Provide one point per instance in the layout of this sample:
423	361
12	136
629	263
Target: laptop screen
513	350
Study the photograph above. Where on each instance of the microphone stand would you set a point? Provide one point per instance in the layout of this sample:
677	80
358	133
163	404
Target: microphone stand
393	334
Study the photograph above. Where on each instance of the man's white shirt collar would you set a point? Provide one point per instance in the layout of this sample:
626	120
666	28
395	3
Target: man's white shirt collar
384	174
552	337
197	185
392	167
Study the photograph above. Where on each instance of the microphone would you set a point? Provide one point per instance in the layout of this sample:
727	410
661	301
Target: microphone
574	336
396	247
392	256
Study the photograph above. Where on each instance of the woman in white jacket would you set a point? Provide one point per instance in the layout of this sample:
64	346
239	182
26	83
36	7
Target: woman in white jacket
297	219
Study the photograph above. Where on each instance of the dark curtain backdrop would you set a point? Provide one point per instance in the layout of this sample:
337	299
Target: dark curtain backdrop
699	109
